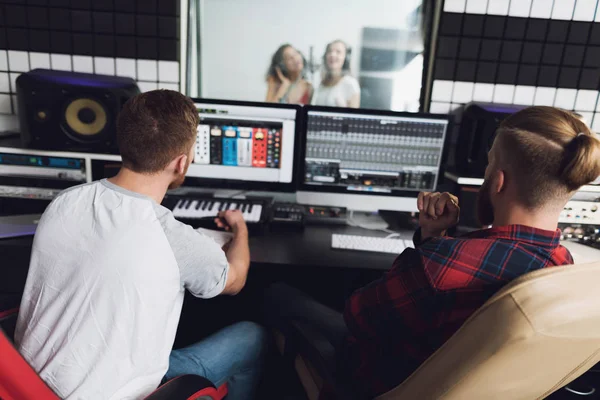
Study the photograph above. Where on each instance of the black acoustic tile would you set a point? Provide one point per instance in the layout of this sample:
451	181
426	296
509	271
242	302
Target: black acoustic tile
17	39
579	31
103	22
548	76
511	51
447	46
104	45
590	78
125	46
486	72
490	49
451	24
104	5
146	25
595	34
60	19
82	4
147	6
537	29
147	48
515	28
573	55
39	40
125	24
125	5
569	77
83	44
38	17
527	75
81	21
60	42
168	49
473	25
532	53
167	27
60	3
592	57
38	2
444	69
557	31
465	71
3	43
507	73
469	48
15	15
494	26
552	53
168	7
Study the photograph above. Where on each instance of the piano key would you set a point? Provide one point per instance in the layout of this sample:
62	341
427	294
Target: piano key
232	206
198	205
244	208
204	204
179	203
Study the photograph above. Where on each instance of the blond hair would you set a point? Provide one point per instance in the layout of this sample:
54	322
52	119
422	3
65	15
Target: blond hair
550	152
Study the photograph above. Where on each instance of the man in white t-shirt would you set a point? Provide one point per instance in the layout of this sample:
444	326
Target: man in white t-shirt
109	267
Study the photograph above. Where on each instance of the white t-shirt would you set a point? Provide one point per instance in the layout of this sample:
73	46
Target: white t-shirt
338	95
105	288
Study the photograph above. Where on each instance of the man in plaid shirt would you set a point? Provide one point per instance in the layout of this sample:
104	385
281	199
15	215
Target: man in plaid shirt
540	157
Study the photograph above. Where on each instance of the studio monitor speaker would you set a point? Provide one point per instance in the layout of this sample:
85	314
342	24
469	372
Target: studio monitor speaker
71	111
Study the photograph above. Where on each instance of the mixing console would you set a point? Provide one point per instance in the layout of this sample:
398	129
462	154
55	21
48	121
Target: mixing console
377	154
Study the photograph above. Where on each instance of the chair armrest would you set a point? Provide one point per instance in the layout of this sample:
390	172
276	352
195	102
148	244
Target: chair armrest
320	353
186	387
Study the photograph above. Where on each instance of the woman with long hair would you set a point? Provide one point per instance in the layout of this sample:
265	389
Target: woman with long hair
285	77
338	88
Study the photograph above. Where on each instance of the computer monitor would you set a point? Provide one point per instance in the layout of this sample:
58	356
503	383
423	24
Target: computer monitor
369	160
245	145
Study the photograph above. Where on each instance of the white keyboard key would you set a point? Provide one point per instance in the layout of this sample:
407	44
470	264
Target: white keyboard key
369	243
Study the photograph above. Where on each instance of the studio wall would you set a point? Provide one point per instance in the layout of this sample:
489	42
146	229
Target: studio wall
526	52
134	38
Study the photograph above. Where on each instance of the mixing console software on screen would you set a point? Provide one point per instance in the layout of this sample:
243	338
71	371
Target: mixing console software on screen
250	142
373	153
239	143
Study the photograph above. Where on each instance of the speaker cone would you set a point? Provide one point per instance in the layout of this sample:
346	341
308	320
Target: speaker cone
86	117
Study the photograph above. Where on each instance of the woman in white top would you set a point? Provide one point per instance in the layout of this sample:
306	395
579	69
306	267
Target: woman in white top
338	88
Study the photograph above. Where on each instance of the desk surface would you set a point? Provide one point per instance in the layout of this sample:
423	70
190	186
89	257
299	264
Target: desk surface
313	247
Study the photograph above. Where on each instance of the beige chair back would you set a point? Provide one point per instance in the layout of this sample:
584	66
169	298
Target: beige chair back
534	336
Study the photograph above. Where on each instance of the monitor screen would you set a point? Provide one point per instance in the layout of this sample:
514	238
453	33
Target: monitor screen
358	152
247	142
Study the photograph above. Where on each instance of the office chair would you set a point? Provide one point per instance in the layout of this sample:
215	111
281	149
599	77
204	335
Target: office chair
18	381
536	335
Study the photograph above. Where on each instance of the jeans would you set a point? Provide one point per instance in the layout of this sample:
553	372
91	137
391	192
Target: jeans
234	355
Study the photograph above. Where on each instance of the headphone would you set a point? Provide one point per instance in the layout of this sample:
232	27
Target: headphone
346	65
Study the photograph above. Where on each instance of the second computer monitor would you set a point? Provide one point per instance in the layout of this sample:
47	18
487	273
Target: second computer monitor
371	160
244	145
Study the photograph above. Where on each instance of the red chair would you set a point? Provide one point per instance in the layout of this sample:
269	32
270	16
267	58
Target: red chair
18	381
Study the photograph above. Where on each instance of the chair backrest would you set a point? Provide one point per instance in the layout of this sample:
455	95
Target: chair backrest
534	336
18	381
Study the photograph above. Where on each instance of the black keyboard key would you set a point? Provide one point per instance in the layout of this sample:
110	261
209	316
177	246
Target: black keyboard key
250	209
210	205
237	206
187	204
244	207
204	204
179	203
198	204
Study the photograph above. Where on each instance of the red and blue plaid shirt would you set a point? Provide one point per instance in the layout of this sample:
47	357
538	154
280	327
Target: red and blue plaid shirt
398	321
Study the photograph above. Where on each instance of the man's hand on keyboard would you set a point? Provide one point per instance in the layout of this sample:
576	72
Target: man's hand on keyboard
231	220
438	212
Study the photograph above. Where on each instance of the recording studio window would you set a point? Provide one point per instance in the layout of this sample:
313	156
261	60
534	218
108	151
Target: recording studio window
346	53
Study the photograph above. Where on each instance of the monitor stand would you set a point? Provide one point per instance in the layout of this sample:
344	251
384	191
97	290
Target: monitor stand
367	220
